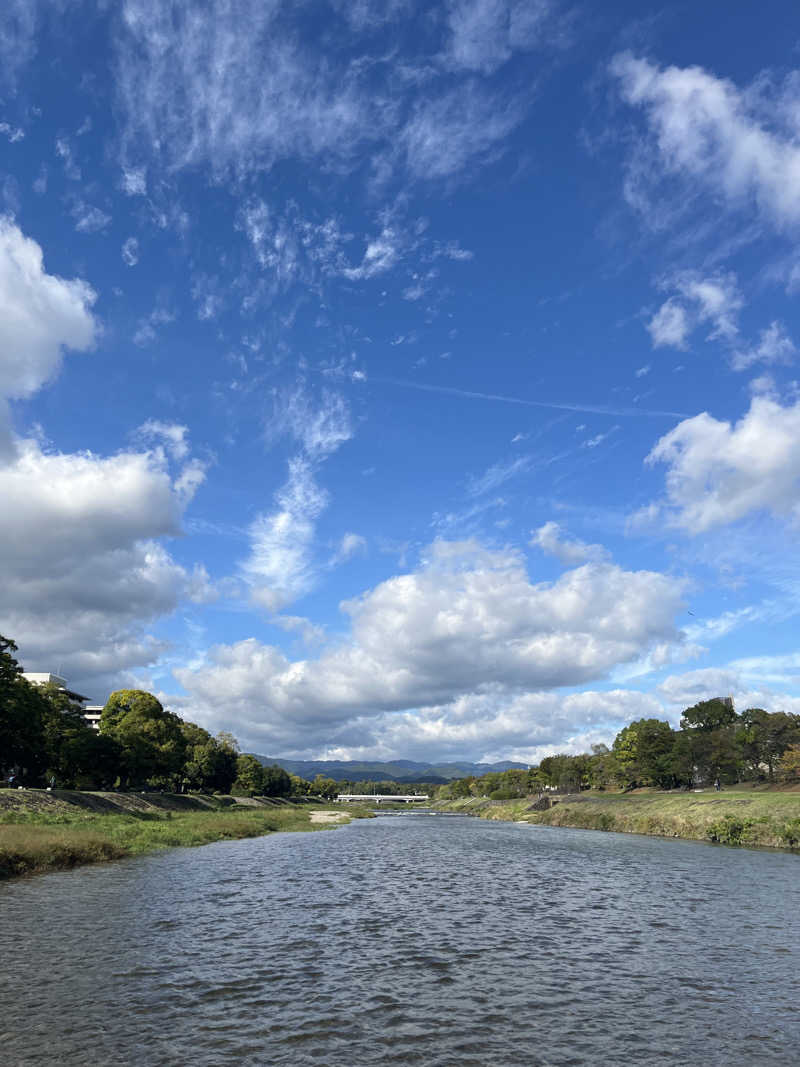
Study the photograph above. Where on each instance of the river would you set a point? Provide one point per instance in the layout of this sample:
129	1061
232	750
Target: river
424	940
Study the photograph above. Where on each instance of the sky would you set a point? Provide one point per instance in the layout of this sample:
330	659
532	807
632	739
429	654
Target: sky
394	380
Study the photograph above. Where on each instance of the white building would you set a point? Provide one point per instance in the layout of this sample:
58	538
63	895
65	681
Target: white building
90	712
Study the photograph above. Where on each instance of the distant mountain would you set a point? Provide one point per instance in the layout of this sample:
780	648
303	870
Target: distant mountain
401	770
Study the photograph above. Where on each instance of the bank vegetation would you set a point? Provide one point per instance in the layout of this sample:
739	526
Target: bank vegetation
45	831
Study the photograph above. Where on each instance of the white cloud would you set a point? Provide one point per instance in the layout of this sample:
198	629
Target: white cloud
718	472
499	473
463	126
466	620
774	346
197	90
711	300
740	143
174	436
134	181
130	252
89	219
351	545
146	328
67	157
40	315
82	569
279	568
550	540
381	254
320	428
749	681
13	133
484	34
274	240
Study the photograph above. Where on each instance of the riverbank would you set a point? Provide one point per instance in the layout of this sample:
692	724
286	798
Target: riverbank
41	831
747	818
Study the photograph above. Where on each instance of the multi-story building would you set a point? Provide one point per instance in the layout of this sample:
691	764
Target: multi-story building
90	712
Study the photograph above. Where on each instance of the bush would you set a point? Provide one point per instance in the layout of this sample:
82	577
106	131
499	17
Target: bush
731	830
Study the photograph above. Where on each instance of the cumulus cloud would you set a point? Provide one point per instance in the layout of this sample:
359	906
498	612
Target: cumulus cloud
754	682
467	619
83	569
718	472
549	538
174	436
497	725
698	300
40	316
740	143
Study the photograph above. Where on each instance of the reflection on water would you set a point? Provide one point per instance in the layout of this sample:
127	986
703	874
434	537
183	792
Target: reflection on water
408	941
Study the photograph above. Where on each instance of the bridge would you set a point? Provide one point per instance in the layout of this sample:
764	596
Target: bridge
376	798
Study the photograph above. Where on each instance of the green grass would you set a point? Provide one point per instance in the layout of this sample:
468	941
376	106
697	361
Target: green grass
745	818
32	842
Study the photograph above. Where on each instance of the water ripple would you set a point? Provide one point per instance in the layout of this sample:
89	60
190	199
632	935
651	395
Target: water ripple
438	942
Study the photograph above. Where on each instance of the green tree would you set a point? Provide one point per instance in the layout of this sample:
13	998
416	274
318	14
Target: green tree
249	777
709	715
152	744
22	712
276	782
643	752
603	767
763	738
325	787
789	764
302	788
227	756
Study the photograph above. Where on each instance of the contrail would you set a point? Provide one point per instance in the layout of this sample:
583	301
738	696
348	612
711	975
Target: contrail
591	409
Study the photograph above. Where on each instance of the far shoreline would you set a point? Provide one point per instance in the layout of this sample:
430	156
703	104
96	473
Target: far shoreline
743	819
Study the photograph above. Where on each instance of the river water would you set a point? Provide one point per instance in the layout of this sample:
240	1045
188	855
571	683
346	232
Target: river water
416	940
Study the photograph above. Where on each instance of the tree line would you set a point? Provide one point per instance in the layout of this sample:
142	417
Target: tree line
44	740
713	745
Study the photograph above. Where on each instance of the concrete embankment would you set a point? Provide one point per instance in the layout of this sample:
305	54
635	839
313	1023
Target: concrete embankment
748	818
43	831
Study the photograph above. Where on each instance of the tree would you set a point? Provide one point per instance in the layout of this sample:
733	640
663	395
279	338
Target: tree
789	764
249	777
709	715
763	738
22	711
603	769
643	753
276	782
324	787
152	744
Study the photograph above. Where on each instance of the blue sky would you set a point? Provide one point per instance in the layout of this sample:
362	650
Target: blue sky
396	380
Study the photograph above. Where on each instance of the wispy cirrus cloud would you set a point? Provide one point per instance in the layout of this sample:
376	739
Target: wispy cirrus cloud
282	565
484	34
195	91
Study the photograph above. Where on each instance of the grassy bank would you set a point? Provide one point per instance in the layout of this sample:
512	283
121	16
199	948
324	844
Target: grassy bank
758	820
43	831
